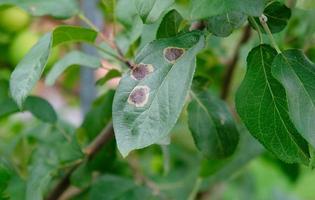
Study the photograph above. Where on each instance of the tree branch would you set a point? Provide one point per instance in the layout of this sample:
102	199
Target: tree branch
96	145
233	62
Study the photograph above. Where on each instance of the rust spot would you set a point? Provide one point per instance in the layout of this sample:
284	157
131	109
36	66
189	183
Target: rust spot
139	96
171	54
141	70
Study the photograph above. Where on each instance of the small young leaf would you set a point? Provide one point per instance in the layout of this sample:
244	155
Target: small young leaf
55	8
146	109
208	8
278	16
151	10
224	24
72	58
63	34
41	109
114	73
170	25
28	71
297	74
212	126
262	105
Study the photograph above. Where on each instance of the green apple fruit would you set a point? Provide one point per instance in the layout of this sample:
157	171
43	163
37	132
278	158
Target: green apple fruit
20	45
13	19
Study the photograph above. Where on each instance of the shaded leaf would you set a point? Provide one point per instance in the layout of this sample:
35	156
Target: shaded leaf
111	187
170	25
262	105
70	59
56	8
212	126
151	10
145	110
113	73
224	24
297	74
41	109
7	107
208	8
278	16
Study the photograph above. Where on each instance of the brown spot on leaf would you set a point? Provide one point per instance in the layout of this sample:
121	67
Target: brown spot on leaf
139	96
141	70
171	54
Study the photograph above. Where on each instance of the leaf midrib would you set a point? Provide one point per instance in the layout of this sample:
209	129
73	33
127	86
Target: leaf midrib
280	116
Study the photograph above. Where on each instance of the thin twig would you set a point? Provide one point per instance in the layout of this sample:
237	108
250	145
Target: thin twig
233	62
96	145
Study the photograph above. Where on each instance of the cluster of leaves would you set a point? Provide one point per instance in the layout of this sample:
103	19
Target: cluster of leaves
162	40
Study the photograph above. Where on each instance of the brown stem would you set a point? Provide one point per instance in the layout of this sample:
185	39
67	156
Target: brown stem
233	62
96	145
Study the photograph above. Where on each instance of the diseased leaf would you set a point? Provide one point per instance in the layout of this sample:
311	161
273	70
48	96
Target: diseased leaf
224	24
208	8
278	16
55	8
28	71
70	59
111	187
63	34
113	73
170	25
151	10
262	105
212	126
41	109
297	74
150	98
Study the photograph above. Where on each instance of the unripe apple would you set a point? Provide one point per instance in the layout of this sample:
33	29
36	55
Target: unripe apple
13	19
20	45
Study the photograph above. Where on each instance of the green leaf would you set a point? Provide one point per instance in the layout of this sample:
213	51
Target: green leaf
41	109
28	71
150	98
151	10
113	73
70	59
212	126
55	8
297	74
64	34
305	4
7	107
170	25
262	105
224	24
109	187
278	16
208	8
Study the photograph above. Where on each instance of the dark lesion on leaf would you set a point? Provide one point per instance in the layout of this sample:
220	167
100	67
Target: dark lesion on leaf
140	71
171	54
139	96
